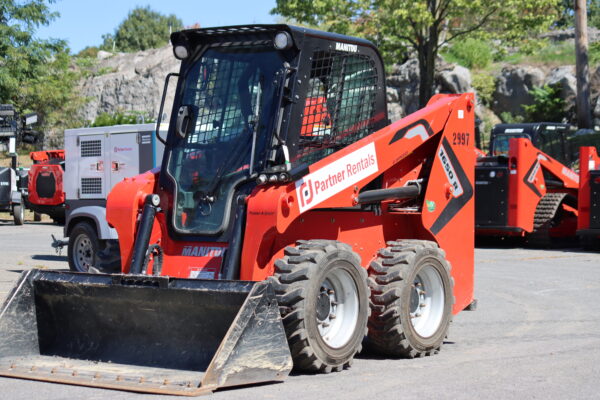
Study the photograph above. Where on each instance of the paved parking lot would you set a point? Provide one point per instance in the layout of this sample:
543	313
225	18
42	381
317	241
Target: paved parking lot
535	335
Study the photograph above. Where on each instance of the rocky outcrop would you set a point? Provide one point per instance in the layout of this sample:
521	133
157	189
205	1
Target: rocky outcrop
134	82
569	34
403	89
403	85
129	82
513	86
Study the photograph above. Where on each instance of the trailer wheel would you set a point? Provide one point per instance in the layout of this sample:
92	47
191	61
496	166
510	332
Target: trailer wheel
83	247
18	214
411	299
323	297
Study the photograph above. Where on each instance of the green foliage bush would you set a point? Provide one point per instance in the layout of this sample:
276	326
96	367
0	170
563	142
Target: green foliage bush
484	85
548	106
470	53
508	118
556	53
121	118
594	53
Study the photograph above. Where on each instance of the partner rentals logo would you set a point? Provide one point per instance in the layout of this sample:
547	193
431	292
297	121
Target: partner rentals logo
306	193
335	177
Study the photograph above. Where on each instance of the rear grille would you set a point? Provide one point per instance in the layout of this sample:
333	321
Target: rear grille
91	148
91	185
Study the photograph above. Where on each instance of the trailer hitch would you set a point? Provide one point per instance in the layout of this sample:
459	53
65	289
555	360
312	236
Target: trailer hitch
58	245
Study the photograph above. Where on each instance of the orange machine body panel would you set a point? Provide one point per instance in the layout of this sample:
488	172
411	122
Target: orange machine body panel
588	222
432	146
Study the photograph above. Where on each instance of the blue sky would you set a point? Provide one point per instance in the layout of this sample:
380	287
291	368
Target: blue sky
83	22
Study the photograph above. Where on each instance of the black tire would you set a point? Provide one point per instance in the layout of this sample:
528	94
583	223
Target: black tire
37	217
301	280
83	247
395	277
18	214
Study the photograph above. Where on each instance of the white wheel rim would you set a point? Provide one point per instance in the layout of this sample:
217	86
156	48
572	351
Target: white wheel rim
427	301
84	253
338	326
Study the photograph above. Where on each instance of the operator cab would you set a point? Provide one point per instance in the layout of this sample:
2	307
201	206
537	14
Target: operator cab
551	138
257	105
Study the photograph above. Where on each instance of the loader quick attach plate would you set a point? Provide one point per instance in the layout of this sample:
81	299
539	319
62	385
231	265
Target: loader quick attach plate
141	333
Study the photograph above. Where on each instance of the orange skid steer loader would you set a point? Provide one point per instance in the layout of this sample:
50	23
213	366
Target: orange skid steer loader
525	193
268	238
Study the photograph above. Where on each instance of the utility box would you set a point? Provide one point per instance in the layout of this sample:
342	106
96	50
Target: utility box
96	159
99	158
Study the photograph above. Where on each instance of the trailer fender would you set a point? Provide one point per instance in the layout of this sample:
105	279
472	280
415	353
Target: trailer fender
96	214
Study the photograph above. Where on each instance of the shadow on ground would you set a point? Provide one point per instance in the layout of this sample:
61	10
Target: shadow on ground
49	257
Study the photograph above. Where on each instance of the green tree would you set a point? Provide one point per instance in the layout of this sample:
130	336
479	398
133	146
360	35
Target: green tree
35	75
423	26
142	29
120	118
566	10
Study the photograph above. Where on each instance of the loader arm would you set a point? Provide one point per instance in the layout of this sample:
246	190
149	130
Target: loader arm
434	145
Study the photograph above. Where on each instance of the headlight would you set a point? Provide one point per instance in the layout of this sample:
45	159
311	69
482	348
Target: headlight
282	41
181	52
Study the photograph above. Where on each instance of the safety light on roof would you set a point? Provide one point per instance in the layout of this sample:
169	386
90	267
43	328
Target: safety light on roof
181	52
283	41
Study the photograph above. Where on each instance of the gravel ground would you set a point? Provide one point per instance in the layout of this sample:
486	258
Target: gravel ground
535	335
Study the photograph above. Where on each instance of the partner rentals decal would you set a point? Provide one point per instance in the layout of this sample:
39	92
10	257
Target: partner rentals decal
320	185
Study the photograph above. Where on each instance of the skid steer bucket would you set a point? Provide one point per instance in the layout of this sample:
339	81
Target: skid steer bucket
142	333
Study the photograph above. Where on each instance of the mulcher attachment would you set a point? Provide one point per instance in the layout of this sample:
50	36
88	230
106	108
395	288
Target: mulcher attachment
141	333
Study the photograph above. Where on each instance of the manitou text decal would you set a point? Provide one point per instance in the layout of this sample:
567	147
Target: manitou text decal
570	174
202	251
457	189
335	177
347	47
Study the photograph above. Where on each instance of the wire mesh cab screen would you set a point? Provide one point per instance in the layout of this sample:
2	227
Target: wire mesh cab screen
340	104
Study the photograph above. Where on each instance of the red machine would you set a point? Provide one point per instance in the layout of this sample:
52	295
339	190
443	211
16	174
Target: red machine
45	184
267	237
525	193
588	223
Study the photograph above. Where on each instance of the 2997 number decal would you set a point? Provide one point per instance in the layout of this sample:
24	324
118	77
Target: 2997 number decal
460	139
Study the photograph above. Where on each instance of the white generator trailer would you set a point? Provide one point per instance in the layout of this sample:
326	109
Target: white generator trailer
96	159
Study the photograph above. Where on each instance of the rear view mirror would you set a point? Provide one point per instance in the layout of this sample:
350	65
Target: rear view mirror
184	121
